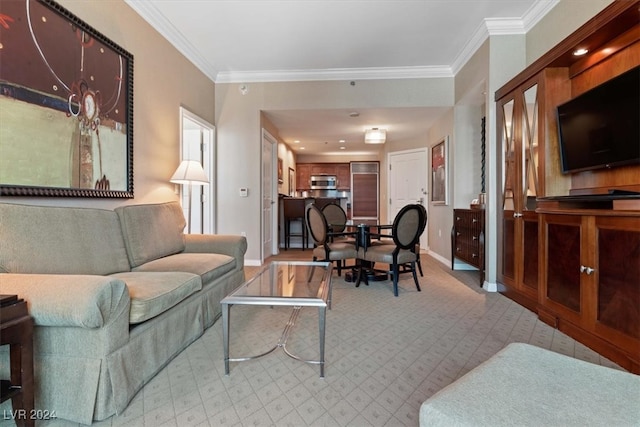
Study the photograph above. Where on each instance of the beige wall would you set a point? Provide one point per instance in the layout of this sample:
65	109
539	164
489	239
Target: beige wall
238	121
561	21
163	81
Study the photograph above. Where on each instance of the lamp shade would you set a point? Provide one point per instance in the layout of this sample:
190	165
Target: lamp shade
190	172
375	136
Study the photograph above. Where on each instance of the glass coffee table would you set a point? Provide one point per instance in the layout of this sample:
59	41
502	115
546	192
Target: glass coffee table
283	283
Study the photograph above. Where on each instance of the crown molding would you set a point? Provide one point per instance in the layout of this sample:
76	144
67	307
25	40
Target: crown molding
334	74
161	24
502	26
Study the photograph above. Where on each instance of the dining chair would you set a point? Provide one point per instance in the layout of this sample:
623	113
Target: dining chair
405	233
325	250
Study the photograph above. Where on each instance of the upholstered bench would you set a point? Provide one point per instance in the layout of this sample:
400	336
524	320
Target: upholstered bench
526	385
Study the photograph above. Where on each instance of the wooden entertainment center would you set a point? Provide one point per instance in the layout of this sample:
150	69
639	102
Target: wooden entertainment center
567	249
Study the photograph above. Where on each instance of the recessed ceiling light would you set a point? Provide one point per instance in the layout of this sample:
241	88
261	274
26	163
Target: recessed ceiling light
342	141
343	147
302	148
580	52
297	141
354	114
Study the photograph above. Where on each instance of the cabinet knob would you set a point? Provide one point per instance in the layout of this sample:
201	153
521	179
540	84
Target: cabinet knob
474	220
517	215
475	237
588	270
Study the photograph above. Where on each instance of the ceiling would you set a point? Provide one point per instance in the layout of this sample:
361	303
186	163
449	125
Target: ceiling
244	41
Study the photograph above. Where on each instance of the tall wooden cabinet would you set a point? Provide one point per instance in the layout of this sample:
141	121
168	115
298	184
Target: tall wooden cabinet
577	265
530	169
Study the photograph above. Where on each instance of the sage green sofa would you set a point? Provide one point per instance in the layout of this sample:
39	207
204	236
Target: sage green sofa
114	294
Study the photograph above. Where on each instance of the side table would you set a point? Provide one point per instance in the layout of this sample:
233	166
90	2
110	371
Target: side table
16	330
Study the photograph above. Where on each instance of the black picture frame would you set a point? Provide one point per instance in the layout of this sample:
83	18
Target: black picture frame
73	133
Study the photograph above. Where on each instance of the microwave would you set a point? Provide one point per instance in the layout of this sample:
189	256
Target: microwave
324	182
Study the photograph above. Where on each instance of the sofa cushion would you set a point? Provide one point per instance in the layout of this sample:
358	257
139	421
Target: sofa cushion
60	240
153	293
152	231
208	266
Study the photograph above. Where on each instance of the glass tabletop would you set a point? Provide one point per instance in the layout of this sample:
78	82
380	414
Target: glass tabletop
291	283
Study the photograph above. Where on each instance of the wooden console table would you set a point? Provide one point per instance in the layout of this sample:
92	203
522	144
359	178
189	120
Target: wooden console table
16	330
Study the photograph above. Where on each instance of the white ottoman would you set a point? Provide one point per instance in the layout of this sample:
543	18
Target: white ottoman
524	385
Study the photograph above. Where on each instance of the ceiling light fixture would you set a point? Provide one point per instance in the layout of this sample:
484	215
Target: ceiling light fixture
580	52
375	136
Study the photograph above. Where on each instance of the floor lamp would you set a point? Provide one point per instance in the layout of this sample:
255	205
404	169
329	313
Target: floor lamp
190	172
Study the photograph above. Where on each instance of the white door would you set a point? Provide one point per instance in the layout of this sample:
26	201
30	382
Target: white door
407	182
269	194
198	143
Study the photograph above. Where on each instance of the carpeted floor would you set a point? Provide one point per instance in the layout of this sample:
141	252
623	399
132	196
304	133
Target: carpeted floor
384	357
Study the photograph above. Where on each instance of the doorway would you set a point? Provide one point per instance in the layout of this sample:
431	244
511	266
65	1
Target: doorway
408	183
269	196
197	142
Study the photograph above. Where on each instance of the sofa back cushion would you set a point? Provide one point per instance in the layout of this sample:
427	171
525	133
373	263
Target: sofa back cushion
152	231
60	240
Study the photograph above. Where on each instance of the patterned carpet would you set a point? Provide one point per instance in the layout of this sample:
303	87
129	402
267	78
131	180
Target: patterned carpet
384	357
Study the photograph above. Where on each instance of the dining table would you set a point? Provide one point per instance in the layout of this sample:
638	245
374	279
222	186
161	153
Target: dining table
364	231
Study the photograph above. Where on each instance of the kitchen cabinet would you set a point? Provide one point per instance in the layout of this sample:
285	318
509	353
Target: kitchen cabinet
365	202
304	172
303	176
589	280
343	172
467	238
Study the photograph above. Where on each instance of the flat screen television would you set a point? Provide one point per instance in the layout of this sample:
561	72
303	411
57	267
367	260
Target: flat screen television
601	127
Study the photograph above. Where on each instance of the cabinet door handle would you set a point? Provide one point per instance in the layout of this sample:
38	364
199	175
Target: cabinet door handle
588	270
517	215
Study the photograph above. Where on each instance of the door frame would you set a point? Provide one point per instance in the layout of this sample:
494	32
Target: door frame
208	159
424	239
267	137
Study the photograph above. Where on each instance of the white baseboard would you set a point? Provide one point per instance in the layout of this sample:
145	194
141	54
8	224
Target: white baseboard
440	258
490	286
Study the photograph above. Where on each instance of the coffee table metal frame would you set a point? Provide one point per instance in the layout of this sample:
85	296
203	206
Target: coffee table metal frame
322	300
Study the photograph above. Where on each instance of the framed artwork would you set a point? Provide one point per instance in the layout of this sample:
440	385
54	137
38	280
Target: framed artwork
280	171
292	182
66	102
439	172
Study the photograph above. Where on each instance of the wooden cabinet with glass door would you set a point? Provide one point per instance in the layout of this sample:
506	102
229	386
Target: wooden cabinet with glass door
528	145
589	287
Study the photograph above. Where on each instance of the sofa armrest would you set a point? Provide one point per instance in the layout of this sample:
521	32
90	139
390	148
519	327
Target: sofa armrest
227	244
68	300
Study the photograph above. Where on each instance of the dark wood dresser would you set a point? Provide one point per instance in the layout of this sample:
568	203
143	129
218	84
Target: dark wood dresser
467	238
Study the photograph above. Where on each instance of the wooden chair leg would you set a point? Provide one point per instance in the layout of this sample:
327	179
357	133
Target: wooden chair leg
396	273
415	276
